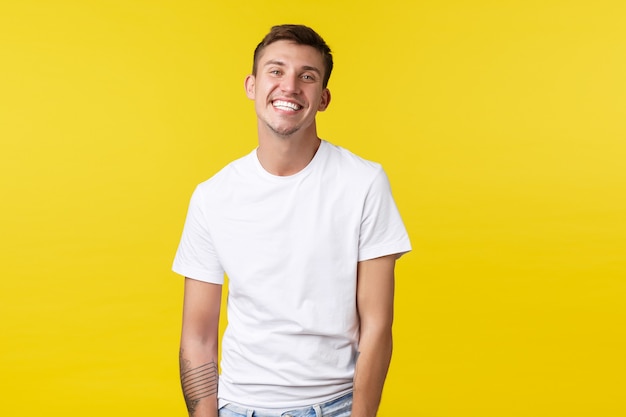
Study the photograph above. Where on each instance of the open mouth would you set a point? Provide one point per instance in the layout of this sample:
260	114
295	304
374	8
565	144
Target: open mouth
286	105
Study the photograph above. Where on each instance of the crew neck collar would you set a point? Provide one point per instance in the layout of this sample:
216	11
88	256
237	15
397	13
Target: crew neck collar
318	155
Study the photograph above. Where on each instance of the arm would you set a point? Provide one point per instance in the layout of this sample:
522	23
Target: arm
375	287
198	347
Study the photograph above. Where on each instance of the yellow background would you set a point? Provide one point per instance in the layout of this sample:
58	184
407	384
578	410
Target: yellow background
501	124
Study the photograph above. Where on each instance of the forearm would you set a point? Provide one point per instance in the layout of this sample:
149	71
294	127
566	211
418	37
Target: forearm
199	378
371	370
375	290
198	347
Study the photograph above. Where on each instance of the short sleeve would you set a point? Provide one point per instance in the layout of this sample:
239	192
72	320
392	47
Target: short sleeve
196	257
382	230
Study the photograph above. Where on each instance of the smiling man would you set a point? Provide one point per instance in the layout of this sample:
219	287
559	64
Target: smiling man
308	234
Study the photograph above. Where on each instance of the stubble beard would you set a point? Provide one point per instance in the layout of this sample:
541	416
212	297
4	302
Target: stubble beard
284	133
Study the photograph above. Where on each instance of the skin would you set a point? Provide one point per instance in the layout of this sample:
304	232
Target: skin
375	294
198	347
288	93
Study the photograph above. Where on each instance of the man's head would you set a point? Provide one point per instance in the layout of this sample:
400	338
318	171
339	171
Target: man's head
301	35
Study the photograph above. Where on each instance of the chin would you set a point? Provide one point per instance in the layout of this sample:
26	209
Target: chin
285	132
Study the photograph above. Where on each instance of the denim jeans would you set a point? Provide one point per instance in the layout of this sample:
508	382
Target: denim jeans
338	407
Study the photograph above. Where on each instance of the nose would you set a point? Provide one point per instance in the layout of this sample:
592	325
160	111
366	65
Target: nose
290	84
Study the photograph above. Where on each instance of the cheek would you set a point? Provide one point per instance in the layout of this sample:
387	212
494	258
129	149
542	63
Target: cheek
263	91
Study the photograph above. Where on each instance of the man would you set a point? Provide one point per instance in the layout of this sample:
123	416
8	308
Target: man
308	234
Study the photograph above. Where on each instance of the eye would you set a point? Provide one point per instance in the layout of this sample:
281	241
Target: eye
308	77
275	72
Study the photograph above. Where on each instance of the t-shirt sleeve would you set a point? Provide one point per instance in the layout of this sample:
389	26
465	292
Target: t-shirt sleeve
196	257
382	230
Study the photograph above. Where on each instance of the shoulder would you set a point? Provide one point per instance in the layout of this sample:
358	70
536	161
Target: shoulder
229	173
349	162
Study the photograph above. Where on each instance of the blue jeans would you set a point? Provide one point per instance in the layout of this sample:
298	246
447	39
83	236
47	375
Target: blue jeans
339	407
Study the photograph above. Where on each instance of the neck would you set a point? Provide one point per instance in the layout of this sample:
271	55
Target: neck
286	155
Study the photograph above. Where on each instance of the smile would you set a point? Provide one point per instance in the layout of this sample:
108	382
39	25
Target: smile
286	105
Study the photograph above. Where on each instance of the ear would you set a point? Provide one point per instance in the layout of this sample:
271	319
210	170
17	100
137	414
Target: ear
249	85
325	100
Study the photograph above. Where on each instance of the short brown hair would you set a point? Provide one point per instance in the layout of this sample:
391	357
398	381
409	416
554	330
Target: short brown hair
302	35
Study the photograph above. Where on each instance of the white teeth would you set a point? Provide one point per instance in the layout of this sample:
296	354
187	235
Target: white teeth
286	105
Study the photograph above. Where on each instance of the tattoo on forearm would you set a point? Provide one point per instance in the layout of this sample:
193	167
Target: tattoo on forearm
197	383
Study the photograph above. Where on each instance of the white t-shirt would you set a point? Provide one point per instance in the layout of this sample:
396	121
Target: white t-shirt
290	247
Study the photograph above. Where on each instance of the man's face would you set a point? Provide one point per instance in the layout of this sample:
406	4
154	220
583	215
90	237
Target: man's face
287	88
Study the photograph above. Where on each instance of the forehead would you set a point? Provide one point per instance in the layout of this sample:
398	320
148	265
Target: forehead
291	53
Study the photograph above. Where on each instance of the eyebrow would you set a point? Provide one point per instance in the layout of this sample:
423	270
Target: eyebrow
282	64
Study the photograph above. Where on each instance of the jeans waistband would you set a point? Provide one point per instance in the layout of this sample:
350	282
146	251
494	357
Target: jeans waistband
329	408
